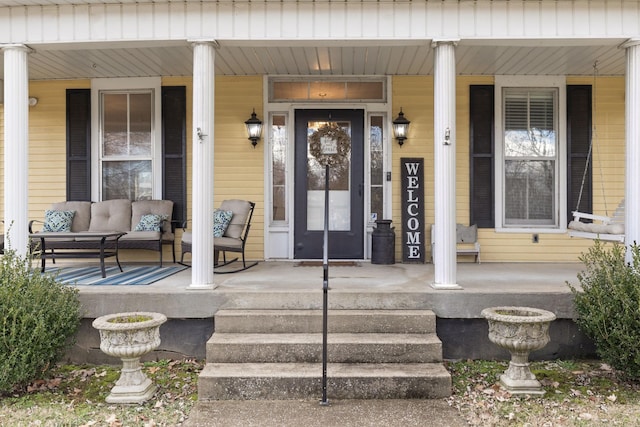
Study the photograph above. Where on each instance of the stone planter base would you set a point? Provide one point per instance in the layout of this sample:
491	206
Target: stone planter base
133	386
531	387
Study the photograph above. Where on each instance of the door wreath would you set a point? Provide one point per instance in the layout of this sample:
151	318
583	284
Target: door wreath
329	144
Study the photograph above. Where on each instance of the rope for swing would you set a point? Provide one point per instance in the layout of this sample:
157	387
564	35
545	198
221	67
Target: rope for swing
594	137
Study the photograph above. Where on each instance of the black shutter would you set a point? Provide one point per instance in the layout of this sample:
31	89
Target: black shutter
174	143
481	134
578	144
79	144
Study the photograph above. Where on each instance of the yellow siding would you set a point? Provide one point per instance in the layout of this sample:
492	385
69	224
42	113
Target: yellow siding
239	168
47	143
415	96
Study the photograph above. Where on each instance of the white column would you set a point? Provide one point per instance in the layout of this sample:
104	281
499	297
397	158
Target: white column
632	130
444	141
202	190
16	147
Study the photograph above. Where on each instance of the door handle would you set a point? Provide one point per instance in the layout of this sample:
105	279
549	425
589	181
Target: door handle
360	189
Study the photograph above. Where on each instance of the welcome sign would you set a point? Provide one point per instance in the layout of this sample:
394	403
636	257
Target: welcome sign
412	193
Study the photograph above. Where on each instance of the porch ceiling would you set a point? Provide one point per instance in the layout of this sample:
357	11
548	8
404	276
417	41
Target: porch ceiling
323	59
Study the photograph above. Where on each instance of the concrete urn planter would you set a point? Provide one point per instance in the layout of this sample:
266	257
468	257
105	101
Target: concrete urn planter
130	336
520	330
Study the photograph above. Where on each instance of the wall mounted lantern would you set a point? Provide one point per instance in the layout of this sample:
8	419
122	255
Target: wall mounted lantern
401	127
254	128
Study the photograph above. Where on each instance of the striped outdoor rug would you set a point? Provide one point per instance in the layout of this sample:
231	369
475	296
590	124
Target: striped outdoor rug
142	275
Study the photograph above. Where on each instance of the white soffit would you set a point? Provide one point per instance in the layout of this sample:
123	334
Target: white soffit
412	59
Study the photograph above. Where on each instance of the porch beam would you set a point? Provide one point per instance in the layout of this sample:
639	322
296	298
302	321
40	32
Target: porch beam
203	143
632	131
444	142
16	146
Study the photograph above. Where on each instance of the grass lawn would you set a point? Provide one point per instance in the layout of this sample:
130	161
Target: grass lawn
578	393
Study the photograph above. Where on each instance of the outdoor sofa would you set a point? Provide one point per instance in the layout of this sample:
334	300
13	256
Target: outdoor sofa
147	224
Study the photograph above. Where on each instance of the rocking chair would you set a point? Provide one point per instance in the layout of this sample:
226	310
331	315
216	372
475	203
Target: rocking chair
234	238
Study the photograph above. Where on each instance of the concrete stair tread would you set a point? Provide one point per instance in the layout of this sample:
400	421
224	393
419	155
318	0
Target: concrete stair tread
313	370
314	338
339	321
305	312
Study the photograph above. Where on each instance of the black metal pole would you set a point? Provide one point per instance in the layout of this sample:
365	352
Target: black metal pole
325	286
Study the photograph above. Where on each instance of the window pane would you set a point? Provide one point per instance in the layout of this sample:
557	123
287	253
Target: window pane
376	150
140	124
290	90
529	116
365	90
377	200
376	137
529	143
529	192
327	90
339	179
279	146
127	124
115	124
126	180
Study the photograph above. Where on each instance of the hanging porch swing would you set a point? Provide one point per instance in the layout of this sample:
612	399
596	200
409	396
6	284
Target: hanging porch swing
588	225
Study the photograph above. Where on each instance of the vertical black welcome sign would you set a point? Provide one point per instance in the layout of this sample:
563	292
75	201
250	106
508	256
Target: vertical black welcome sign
412	194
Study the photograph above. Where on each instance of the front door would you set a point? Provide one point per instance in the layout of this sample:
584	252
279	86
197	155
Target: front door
346	183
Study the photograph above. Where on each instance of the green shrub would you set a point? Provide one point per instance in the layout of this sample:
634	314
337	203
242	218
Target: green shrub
39	317
608	305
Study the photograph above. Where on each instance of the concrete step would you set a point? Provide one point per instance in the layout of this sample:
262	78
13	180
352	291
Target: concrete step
341	348
279	381
338	321
348	298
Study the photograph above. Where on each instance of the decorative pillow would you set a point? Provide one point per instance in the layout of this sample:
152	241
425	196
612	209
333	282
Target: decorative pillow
58	220
150	222
221	220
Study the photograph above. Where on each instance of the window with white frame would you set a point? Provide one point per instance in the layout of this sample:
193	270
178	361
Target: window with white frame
530	169
126	151
126	142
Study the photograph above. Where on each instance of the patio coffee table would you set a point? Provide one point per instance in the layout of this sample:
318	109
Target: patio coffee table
102	251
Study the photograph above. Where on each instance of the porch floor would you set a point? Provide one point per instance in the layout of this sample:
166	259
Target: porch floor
284	284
